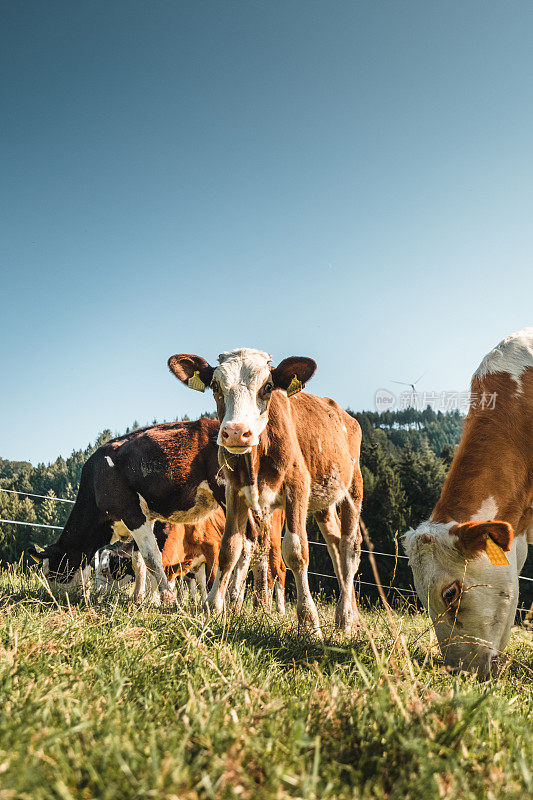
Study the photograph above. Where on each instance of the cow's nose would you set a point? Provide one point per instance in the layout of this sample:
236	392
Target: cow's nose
236	434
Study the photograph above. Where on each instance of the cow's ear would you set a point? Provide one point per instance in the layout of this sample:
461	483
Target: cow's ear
36	552
293	373
192	370
493	538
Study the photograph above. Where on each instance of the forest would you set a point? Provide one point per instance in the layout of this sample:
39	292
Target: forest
405	457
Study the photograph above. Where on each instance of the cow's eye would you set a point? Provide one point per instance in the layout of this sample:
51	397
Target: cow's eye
215	387
451	593
267	388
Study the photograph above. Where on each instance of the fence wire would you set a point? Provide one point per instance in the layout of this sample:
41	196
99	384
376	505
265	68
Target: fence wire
40	496
311	542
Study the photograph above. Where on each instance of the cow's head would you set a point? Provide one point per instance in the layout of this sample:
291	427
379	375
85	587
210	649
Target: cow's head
112	570
66	572
242	384
466	575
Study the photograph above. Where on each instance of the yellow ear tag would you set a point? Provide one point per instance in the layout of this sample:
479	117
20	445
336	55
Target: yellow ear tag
35	555
294	386
495	553
195	382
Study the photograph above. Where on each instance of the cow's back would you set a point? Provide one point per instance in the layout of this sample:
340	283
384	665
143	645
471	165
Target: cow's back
168	461
325	435
495	454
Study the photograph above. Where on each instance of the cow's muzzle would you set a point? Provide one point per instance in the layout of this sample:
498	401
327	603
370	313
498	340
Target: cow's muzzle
237	437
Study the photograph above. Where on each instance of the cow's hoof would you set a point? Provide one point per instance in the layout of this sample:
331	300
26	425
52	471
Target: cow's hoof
168	598
308	621
215	606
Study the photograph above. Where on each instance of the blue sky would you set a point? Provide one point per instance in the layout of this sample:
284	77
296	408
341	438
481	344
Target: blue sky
347	180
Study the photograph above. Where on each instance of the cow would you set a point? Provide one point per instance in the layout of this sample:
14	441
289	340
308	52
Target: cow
166	472
279	448
114	568
467	557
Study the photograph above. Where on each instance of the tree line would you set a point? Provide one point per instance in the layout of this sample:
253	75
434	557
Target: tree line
405	457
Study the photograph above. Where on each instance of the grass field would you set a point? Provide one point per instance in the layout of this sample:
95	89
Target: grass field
104	700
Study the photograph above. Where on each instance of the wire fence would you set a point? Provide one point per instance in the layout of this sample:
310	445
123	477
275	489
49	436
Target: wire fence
40	496
390	587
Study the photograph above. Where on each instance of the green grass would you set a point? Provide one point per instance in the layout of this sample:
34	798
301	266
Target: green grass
103	700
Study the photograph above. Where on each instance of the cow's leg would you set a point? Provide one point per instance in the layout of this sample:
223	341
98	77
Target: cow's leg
255	572
262	593
329	526
230	548
171	578
153	596
210	565
191	586
176	581
277	571
145	588
263	584
295	550
238	578
200	576
139	570
279	596
147	544
261	587
346	617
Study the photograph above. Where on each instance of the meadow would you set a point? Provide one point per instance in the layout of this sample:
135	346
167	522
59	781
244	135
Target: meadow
107	700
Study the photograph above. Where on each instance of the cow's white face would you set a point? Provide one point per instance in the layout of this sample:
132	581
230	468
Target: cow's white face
102	573
242	384
55	567
79	580
103	565
471	601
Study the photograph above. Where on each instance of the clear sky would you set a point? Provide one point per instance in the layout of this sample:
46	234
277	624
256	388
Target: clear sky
347	180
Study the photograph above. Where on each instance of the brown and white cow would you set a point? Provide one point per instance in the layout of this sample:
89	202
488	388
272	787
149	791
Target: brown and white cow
298	452
166	472
187	547
467	557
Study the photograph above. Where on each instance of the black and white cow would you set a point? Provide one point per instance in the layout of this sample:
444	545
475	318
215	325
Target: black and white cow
166	472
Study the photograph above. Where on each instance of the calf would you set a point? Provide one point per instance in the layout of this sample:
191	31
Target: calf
188	546
467	557
114	569
297	452
166	472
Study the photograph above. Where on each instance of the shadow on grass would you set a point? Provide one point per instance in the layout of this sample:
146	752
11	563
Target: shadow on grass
282	641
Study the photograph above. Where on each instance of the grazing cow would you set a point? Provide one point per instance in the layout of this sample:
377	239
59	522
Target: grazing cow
114	569
297	452
467	557
166	472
